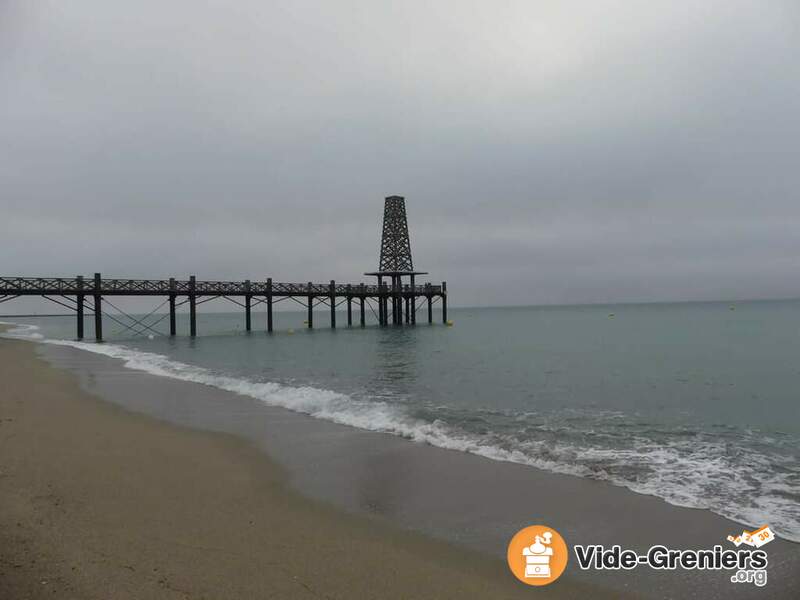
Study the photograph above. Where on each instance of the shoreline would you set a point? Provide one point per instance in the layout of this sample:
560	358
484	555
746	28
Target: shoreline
103	502
458	497
361	416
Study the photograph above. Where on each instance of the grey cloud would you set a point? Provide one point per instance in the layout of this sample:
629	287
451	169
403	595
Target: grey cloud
550	152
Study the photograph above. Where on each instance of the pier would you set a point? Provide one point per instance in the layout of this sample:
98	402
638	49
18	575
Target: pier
390	301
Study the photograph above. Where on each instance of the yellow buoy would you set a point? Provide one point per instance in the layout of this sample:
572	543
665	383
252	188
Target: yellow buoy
290	331
449	323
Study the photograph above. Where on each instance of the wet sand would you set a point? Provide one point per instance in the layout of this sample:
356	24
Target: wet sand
100	502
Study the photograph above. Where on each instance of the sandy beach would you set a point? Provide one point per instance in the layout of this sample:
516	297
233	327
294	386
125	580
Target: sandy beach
99	502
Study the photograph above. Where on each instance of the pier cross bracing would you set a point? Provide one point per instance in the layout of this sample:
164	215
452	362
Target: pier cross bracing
396	300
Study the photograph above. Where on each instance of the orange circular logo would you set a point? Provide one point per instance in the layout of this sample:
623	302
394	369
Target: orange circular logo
537	555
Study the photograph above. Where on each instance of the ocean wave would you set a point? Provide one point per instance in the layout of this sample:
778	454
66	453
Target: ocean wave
21	331
733	475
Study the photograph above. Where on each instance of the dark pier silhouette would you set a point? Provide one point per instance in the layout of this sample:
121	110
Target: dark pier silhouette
396	300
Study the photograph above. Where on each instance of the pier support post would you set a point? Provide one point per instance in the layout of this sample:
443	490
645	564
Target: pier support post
398	300
98	310
269	305
192	306
401	311
413	299
430	310
332	297
361	308
247	299
407	309
393	293
444	302
79	307
172	328
310	318
349	305
380	300
387	298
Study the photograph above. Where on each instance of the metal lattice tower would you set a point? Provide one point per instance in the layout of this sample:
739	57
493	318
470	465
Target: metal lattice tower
395	243
395	264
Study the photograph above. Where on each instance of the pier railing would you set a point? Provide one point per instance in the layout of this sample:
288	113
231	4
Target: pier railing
22	286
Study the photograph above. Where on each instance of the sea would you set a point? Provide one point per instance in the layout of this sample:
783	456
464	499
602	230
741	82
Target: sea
695	403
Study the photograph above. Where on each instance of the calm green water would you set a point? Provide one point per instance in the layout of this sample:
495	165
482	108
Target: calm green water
695	403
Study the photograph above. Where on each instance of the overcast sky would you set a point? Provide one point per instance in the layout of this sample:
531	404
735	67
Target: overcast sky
549	152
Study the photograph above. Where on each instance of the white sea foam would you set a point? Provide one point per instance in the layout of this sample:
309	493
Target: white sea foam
689	473
22	331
